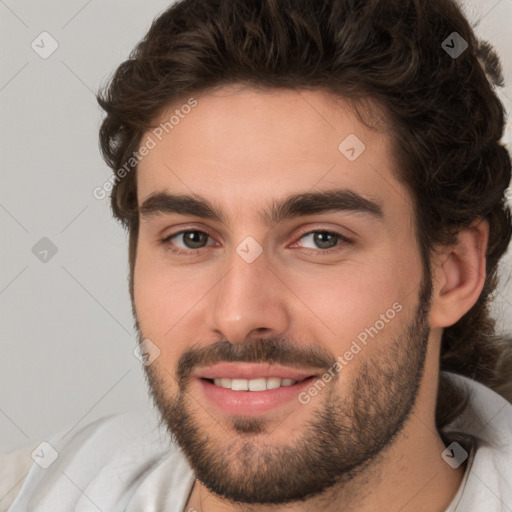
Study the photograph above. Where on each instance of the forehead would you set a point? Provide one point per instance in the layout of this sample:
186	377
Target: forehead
242	147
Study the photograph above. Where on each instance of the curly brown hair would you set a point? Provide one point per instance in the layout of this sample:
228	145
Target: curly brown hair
445	116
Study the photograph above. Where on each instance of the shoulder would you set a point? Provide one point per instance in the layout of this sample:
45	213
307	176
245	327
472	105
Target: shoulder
488	414
14	467
118	449
488	420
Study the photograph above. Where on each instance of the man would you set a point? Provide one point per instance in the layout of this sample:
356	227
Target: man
315	197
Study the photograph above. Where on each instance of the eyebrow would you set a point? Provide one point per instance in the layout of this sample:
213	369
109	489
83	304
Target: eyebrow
297	205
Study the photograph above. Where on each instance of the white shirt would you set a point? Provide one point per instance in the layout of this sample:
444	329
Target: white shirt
127	463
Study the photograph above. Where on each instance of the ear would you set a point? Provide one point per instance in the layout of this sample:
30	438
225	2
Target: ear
459	275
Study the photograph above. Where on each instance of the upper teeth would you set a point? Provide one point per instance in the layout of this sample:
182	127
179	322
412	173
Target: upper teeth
253	384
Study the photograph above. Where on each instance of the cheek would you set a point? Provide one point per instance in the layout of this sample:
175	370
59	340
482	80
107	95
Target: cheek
351	291
159	310
357	300
164	295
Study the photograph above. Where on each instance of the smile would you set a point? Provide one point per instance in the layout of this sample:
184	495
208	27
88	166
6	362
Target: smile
251	389
258	384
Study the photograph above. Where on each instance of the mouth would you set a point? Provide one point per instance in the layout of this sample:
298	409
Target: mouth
258	384
250	389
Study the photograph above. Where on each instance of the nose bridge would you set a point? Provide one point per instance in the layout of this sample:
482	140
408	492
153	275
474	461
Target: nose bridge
248	298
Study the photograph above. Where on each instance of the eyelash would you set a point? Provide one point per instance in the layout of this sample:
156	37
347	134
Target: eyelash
196	252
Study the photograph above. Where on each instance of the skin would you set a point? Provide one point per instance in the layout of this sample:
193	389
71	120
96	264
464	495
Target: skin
242	148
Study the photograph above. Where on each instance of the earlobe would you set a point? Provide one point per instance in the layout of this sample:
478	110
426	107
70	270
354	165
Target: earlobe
459	275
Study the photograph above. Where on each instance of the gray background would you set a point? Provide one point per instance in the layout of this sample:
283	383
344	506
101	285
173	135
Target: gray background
67	336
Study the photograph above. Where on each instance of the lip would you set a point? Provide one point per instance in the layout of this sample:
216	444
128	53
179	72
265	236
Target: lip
251	403
252	371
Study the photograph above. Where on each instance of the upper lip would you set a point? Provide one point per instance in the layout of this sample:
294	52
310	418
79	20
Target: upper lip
251	371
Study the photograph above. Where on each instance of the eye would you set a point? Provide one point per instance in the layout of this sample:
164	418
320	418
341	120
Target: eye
326	240
192	240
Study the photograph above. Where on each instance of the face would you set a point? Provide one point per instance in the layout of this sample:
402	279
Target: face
287	312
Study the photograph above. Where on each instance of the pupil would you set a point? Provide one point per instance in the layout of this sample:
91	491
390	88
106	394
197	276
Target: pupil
193	237
322	239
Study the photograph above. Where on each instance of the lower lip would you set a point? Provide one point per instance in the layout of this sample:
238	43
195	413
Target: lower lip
252	403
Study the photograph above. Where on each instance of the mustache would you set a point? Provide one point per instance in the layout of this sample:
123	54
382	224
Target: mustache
269	350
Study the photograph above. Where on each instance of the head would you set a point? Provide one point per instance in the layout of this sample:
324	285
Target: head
246	103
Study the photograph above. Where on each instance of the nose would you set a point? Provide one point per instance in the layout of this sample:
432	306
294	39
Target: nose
249	301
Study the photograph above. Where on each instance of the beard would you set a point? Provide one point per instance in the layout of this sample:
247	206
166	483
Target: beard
347	432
